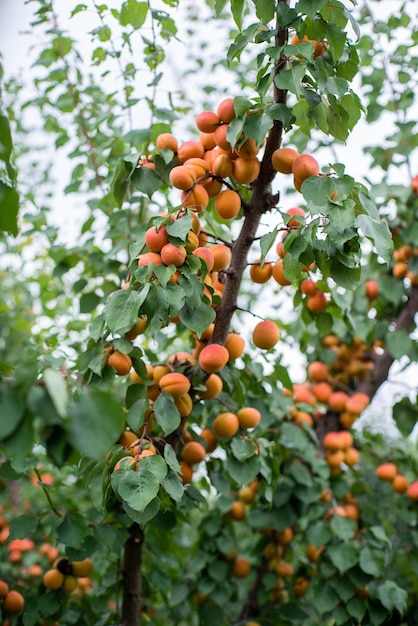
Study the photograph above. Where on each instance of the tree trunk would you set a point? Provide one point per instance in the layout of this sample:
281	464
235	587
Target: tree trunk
131	569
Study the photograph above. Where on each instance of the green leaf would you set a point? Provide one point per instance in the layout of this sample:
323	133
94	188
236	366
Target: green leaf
197	319
378	232
265	10
257	127
166	413
97	420
317	190
139	488
343	527
344	555
372	562
324	597
133	13
243	472
356	608
174	486
146	180
72	530
282	113
180	227
237	8
405	414
291	79
392	596
243	449
12	409
267	242
9	206
336	40
6	145
143	517
310	7
347	277
171	458
122	308
57	390
398	343
22	526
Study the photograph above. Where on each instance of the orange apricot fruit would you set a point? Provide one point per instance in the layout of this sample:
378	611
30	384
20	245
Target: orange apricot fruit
193	452
317	303
400	483
4	589
82	569
121	362
266	334
226	424
53	579
209	437
241	567
182	178
175	384
213	358
235	344
173	255
237	511
260	274
412	491
245	171
14	603
191	149
166	141
248	417
305	166
386	471
196	198
222	256
156	238
213	386
207	121
282	159
186	473
228	204
225	110
278	274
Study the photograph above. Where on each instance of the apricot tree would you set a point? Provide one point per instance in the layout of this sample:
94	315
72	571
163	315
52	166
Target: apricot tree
163	461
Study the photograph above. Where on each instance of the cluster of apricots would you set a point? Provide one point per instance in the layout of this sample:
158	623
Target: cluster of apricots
389	472
339	449
12	601
402	257
66	575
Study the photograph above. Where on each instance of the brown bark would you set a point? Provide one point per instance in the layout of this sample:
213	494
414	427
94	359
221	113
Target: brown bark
131	569
262	200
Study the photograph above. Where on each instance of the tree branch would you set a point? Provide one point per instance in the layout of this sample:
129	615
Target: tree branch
262	200
131	568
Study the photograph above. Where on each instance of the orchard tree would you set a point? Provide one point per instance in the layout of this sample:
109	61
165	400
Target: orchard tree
183	378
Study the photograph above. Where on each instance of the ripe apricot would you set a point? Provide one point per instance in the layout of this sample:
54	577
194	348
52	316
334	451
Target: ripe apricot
235	344
149	257
213	386
295	223
308	287
127	438
193	453
248	150
357	403
266	334
137	329
260	275
156	238
220	137
226	424
332	441
412	491
284	569
305	166
184	404
300	586
175	384
241	567
322	392
282	159
222	256
226	111
4	589
338	400
191	149
173	255
278	274
248	417
387	471
228	204
207	140
317	371
222	166
182	178
372	289
213	358
186	474
400	483
121	362
70	583
207	121
245	171
206	255
53	579
14	603
166	141
317	303
82	569
246	494
127	461
196	198
209	437
237	511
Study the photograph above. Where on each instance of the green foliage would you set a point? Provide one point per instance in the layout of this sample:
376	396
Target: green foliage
93	458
